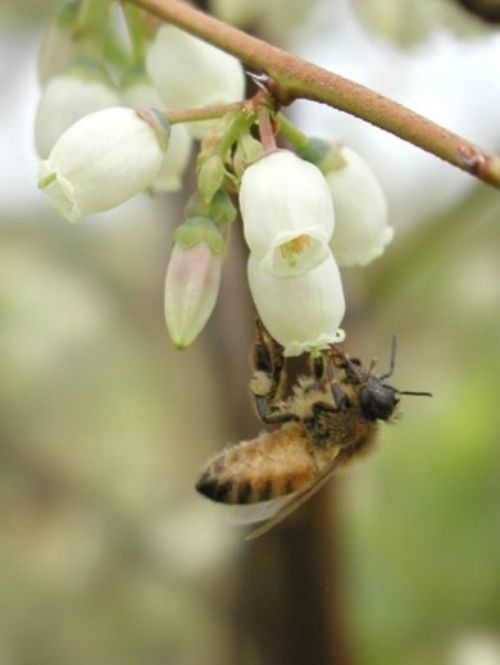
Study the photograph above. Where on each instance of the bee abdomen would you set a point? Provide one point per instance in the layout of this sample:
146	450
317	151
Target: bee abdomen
258	470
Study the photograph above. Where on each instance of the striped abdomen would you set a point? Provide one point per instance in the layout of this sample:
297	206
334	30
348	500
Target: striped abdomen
272	465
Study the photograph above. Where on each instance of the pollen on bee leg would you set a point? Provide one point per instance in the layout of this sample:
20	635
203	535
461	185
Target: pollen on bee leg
261	383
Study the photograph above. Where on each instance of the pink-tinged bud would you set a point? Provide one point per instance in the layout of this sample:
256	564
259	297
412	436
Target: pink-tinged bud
193	280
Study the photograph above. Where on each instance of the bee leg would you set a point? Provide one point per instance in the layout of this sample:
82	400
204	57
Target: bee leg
266	360
318	371
270	417
335	389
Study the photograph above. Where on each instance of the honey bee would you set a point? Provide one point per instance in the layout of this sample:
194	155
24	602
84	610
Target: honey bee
329	418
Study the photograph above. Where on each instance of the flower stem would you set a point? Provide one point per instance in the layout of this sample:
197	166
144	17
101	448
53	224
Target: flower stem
266	130
294	78
207	113
291	132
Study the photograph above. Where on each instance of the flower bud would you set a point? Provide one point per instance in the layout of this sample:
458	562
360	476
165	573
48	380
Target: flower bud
101	161
139	93
190	73
302	313
67	98
361	227
193	279
287	213
210	177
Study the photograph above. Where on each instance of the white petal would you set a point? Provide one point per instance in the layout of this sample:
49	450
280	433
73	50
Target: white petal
169	178
64	100
302	313
361	230
101	161
294	255
283	198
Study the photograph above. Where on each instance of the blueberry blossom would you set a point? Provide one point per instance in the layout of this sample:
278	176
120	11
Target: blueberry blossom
103	160
361	218
287	213
190	73
302	313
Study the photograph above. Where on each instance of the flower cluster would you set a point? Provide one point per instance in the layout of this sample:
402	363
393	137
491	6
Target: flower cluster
305	211
300	224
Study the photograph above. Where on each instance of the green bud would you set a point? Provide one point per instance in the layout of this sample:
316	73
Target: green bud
222	209
210	177
247	151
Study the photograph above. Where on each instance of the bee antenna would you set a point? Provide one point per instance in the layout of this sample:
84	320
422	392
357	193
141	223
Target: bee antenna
416	394
392	366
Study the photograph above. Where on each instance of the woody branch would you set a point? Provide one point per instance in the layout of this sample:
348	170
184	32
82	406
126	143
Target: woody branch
294	78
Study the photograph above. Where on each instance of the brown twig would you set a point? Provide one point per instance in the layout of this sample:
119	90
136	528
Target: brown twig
294	78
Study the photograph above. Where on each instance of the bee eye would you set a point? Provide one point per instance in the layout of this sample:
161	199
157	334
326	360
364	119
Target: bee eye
377	400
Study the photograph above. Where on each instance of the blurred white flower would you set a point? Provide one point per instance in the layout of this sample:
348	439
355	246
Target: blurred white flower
193	280
140	93
287	213
302	313
361	228
190	73
475	649
101	161
274	18
67	98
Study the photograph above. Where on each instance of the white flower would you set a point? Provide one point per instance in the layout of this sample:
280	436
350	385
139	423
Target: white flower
64	100
101	161
361	228
140	93
193	280
287	213
190	73
302	313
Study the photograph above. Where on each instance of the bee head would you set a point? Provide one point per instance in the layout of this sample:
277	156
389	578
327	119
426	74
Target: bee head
377	400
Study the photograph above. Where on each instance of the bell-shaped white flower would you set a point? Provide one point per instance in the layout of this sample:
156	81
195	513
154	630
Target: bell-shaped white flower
302	313
190	73
287	212
101	161
193	280
67	98
140	93
361	225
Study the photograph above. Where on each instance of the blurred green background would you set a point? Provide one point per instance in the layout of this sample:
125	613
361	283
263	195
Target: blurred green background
107	556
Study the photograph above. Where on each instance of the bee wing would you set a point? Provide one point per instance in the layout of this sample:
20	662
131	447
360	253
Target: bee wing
291	502
250	513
